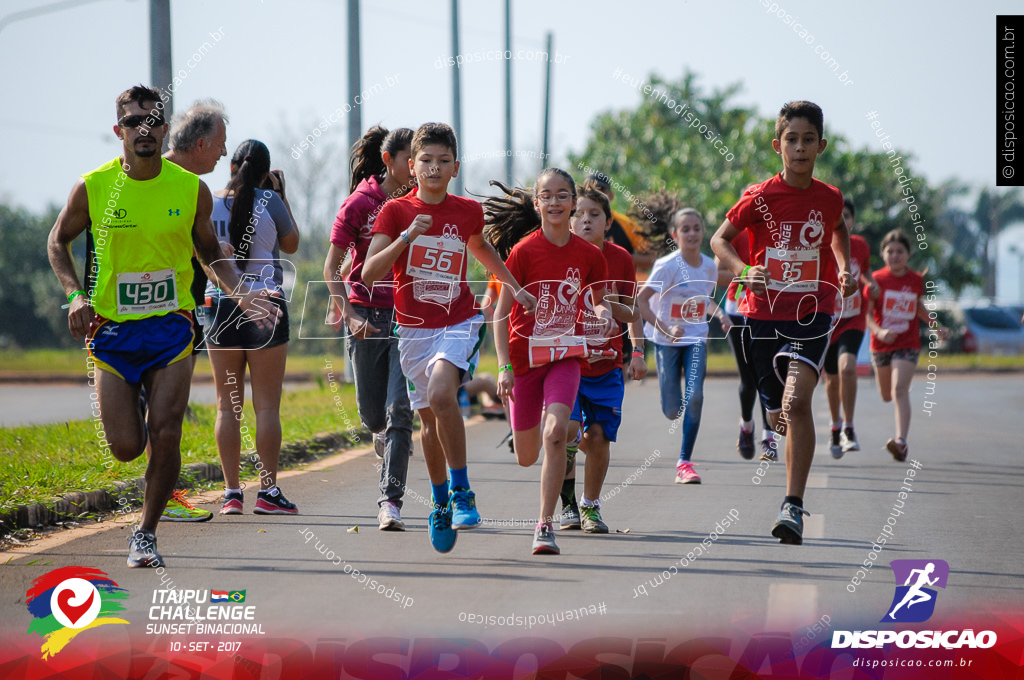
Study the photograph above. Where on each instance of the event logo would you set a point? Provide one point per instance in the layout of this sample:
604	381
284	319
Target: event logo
914	601
227	596
66	601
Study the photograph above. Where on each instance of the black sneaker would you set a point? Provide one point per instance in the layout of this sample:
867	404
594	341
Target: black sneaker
274	503
142	549
836	447
745	444
789	527
769	450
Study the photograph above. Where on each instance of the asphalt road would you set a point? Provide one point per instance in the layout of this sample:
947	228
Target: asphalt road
964	507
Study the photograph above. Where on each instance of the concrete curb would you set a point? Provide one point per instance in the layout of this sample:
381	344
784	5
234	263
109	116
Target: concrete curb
70	506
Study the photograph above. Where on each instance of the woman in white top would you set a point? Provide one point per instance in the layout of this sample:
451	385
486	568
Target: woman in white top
254	225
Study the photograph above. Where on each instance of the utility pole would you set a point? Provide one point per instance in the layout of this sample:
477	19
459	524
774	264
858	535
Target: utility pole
547	106
457	93
508	93
355	118
160	53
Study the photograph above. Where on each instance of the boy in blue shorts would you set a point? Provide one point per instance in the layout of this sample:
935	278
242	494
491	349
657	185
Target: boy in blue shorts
800	257
423	236
598	408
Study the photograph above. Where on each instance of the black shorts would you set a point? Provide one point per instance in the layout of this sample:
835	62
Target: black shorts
775	343
847	343
231	328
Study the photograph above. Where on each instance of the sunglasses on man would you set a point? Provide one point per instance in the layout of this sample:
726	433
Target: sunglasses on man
137	121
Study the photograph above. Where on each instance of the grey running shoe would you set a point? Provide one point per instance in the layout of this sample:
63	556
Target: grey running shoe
570	518
544	541
389	518
769	450
142	549
789	527
379	442
592	523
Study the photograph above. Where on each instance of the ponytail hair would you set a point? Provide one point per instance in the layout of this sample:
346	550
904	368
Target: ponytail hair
366	158
251	163
509	218
657	220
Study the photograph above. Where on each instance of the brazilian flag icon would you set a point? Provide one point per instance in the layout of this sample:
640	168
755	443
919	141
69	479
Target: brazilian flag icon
237	596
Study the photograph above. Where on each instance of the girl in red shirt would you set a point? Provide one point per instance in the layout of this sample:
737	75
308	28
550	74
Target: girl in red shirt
893	311
539	354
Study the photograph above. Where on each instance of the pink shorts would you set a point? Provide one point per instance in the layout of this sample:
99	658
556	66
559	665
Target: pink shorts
555	383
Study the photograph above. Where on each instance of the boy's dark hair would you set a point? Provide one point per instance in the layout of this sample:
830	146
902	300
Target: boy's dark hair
896	236
139	94
848	204
800	109
435	133
366	160
597	197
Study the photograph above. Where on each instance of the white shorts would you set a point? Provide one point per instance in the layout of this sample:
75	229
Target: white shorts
421	348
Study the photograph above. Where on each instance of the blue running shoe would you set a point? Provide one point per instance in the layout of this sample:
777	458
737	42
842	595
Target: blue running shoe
442	535
463	505
789	527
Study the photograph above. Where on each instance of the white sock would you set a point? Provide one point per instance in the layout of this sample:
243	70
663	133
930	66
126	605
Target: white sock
767	435
837	424
848	424
747	425
227	491
587	503
271	490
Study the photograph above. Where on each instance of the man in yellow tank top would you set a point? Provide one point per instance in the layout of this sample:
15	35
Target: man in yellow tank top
145	215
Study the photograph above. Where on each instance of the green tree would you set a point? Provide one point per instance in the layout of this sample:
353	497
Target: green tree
653	147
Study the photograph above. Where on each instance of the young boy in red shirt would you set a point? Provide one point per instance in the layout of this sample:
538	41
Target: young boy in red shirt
423	237
798	246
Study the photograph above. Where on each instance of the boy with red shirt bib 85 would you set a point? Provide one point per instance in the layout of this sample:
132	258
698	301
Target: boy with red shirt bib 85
841	357
424	236
798	243
893	313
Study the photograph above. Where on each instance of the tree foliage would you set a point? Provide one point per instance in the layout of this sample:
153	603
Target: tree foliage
652	148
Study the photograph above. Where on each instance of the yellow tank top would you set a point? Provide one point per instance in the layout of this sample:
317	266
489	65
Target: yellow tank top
142	240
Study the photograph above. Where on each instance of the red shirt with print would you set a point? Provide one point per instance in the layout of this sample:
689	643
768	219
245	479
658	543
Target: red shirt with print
430	274
896	309
791	234
852	313
557	276
621	281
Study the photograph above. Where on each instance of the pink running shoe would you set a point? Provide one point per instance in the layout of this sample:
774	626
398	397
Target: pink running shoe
685	474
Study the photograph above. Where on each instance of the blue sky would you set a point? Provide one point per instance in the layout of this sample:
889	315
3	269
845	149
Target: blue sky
927	68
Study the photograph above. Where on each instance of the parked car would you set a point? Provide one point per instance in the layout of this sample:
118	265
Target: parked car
988	330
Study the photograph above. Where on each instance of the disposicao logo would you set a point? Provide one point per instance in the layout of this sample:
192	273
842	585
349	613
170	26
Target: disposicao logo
914	602
916	576
66	601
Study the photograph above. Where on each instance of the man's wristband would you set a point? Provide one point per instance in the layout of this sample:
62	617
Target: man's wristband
405	237
743	274
638	351
506	367
75	293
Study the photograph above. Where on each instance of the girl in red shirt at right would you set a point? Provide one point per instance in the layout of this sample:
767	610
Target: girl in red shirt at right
539	354
893	311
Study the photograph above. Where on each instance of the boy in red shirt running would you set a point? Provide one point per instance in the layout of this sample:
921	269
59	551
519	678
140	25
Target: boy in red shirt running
798	245
424	236
841	357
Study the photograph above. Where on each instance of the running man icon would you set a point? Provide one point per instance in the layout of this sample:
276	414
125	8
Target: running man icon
916	576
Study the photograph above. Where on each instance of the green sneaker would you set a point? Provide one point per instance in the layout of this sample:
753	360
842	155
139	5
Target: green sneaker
180	510
592	523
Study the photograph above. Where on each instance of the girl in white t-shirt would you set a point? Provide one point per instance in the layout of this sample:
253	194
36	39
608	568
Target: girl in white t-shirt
675	303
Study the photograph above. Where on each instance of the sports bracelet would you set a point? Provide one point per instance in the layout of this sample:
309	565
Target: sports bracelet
405	237
743	274
637	352
75	293
506	367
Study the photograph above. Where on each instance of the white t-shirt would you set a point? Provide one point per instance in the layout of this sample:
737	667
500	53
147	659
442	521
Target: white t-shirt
681	297
271	223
